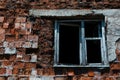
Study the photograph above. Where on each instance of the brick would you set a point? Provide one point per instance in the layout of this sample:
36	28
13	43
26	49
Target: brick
23	78
1	44
19	65
61	78
2	71
33	58
70	72
12	31
23	26
28	32
117	51
9	71
2	33
30	65
19	57
29	25
27	71
12	57
20	19
33	38
109	78
2	37
22	38
26	57
11	45
91	74
39	71
17	25
1	18
45	1
15	71
22	32
21	51
38	78
10	38
21	71
5	25
16	35
115	66
35	45
34	71
18	44
6	63
1	50
63	1
26	45
12	78
5	44
51	71
10	20
10	50
86	78
2	78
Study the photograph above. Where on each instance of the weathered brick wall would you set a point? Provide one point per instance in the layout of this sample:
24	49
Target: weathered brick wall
26	42
59	4
75	4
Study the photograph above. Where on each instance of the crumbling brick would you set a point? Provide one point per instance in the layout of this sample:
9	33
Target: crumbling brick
1	18
5	25
2	78
30	65
15	71
19	65
20	19
6	63
2	71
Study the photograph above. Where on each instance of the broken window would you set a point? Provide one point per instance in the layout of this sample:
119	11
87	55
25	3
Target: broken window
69	37
80	43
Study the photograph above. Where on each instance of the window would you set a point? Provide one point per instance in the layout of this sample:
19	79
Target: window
80	43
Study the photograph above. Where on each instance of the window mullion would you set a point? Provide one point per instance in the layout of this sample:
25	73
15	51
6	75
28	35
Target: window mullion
80	45
83	51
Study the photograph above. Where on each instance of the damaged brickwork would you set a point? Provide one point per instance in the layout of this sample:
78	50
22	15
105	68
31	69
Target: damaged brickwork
27	39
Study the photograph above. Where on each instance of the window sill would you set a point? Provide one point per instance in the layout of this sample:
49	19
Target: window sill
88	65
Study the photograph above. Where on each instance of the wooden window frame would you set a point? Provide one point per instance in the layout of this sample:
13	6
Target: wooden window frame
82	51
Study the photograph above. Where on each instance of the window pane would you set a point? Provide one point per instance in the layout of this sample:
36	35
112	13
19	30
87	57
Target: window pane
92	29
93	51
68	44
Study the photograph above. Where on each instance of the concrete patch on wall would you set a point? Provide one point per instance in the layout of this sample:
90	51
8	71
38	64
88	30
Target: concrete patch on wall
74	12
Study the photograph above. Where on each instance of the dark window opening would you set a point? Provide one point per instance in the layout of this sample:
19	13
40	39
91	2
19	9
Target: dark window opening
93	51
68	44
92	29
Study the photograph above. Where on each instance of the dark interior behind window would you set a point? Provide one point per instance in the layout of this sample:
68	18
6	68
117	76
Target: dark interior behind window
93	51
92	29
68	44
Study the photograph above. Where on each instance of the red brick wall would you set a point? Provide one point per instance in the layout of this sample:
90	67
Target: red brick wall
19	31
